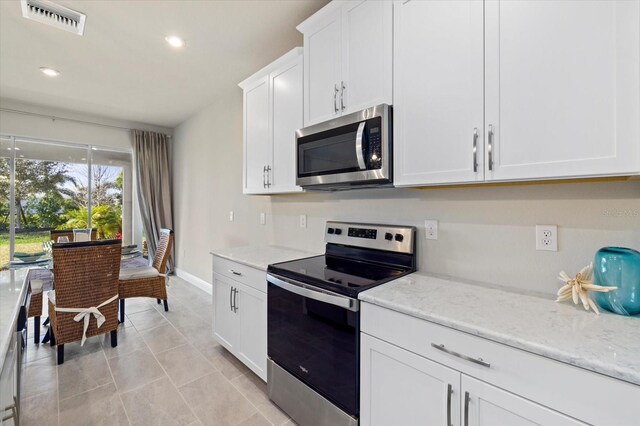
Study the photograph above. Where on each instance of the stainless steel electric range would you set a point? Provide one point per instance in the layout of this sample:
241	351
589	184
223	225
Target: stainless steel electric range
313	319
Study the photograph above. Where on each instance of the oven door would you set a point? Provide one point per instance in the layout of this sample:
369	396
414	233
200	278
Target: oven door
350	149
315	336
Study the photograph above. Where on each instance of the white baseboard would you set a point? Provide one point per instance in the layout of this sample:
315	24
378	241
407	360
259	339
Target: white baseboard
195	281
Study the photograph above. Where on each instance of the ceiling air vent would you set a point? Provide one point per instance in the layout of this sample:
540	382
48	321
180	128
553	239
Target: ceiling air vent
50	13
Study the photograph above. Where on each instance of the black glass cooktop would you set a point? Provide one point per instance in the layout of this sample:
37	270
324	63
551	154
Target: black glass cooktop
344	276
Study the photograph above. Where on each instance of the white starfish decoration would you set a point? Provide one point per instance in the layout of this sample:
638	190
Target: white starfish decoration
577	288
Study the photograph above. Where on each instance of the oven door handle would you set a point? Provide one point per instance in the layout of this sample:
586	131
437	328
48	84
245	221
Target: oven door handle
301	289
359	146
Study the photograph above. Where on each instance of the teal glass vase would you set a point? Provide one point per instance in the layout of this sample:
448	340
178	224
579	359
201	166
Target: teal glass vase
618	267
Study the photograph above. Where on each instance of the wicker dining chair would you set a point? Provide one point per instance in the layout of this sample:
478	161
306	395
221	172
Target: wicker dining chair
148	281
84	302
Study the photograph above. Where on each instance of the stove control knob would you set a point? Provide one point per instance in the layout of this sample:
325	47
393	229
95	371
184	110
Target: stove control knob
330	231
338	231
388	236
399	237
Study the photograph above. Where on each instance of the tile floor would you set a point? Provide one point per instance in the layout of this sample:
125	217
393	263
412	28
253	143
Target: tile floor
166	370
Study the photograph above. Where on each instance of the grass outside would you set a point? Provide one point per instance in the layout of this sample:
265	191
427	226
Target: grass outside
26	242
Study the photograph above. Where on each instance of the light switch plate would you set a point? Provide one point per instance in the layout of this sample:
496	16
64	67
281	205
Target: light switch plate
263	218
303	221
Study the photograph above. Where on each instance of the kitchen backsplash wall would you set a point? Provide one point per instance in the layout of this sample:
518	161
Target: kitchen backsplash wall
485	233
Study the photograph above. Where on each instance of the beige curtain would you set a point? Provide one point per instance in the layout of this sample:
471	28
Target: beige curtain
154	185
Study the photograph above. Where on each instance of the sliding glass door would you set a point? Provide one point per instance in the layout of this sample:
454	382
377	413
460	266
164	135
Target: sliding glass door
47	189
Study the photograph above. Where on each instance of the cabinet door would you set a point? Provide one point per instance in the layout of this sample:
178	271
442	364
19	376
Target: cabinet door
486	405
563	88
398	387
367	56
226	323
322	69
257	145
438	92
286	117
252	309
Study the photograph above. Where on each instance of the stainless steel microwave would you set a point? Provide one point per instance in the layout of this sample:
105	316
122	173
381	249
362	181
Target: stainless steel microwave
348	152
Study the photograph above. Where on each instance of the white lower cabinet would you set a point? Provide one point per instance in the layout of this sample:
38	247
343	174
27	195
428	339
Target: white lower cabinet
240	315
415	372
486	405
401	388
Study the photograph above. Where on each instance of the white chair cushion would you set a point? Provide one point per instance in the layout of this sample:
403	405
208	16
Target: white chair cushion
52	297
36	286
138	273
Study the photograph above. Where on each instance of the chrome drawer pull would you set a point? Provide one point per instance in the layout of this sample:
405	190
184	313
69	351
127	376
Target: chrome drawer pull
475	150
449	393
466	408
235	272
478	361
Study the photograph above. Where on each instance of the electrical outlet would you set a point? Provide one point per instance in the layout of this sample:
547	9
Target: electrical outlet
263	218
431	229
231	216
547	237
303	221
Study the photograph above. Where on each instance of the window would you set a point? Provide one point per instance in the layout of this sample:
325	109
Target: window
47	189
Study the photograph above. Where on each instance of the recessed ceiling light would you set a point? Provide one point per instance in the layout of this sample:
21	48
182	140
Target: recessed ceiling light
175	41
50	72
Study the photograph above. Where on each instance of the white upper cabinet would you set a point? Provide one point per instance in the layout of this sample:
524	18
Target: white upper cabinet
438	90
563	88
272	114
322	69
257	147
286	117
347	58
367	55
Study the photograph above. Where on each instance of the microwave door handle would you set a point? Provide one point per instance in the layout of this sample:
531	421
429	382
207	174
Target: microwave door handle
359	146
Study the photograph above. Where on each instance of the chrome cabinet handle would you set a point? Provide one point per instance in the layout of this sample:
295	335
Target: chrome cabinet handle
268	168
235	296
466	408
231	299
335	97
478	361
490	147
264	170
475	150
235	272
449	393
342	87
359	146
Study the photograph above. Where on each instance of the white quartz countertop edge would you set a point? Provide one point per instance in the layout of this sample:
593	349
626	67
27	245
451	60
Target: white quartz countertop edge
386	296
260	257
10	309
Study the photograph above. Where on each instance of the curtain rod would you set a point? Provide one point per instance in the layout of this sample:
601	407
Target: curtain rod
73	120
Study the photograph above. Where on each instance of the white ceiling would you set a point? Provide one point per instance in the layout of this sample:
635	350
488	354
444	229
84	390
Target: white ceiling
122	67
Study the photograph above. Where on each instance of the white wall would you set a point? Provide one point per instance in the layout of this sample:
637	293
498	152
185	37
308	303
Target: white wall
33	121
207	184
486	233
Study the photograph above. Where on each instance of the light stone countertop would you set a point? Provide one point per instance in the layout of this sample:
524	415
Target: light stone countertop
608	344
12	288
260	257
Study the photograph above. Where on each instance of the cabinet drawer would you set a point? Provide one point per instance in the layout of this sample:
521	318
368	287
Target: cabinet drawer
247	275
571	390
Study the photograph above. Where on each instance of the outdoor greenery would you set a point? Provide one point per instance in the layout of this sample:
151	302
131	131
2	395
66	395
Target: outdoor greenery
50	195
